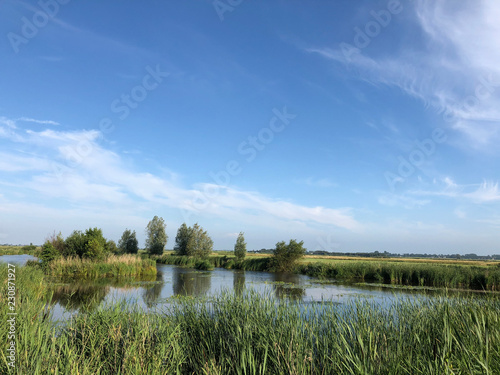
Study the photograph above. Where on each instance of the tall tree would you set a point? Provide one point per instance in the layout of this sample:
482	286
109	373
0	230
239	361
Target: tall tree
182	239
156	236
128	242
240	248
193	241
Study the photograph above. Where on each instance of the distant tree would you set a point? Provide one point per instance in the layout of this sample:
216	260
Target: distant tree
156	236
193	241
128	243
285	255
240	248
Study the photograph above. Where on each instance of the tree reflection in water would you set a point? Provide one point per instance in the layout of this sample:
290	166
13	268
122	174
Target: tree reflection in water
80	296
153	292
287	285
188	282
238	282
88	294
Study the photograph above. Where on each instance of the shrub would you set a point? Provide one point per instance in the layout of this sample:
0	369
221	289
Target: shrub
204	265
285	255
48	253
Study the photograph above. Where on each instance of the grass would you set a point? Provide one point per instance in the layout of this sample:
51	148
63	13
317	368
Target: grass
250	334
121	265
19	250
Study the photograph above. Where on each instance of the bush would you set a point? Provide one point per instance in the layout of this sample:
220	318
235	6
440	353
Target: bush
48	253
204	265
285	255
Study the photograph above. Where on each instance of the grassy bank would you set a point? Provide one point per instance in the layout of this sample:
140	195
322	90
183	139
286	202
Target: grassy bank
122	265
432	274
254	335
416	274
19	250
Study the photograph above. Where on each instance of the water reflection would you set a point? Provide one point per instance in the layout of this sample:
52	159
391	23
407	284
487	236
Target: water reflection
76	296
88	294
189	282
152	292
239	282
288	285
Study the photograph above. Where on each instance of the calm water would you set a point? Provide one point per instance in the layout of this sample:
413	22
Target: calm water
171	281
19	260
156	292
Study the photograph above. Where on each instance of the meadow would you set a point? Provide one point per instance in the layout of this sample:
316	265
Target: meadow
251	334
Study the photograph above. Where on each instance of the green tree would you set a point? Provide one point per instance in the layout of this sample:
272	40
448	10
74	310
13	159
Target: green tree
48	253
156	236
285	255
74	245
200	244
57	241
95	244
182	239
128	243
193	241
111	247
240	248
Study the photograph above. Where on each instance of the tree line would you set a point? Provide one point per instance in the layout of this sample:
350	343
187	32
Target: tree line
191	241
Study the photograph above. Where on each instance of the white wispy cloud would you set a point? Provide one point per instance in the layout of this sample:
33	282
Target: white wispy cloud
41	122
455	71
485	192
75	167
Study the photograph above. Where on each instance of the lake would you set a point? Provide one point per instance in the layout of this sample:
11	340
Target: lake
171	282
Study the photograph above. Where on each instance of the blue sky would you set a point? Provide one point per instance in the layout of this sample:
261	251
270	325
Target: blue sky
354	126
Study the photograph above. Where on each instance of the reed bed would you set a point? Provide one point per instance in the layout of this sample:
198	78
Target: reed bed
251	334
417	274
121	265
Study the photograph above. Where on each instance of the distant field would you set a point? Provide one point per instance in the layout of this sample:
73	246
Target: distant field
331	259
17	250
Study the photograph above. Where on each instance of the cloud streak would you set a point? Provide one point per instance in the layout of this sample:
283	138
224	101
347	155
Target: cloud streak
98	176
455	71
